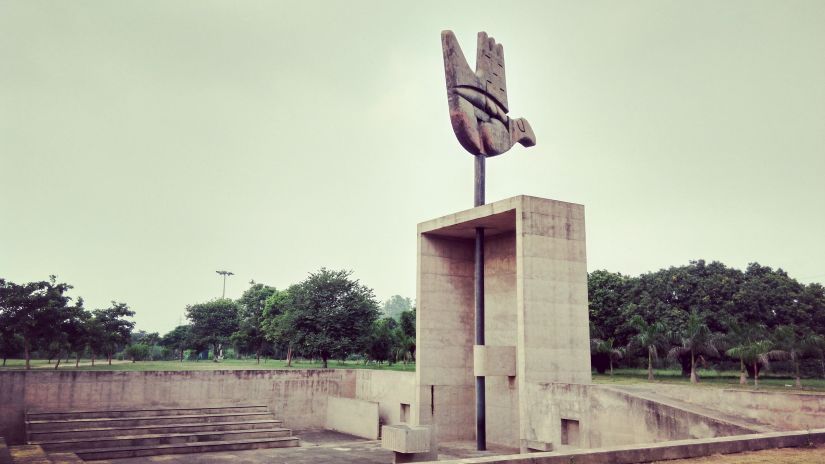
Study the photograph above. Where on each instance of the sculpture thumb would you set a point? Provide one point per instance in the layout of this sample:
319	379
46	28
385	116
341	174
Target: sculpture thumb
521	132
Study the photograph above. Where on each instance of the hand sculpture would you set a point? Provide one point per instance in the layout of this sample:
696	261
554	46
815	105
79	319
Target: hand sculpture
478	100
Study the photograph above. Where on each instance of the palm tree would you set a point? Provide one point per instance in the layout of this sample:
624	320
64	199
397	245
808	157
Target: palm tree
738	336
605	347
791	346
815	345
696	339
649	337
752	352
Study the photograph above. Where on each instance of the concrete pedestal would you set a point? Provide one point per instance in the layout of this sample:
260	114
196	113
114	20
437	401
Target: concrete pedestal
535	294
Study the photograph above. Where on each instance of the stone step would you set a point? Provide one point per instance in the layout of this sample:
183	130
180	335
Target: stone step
74	424
156	440
35	415
183	448
28	454
64	458
151	429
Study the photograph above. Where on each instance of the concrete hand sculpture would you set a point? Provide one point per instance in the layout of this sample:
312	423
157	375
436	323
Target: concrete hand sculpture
478	100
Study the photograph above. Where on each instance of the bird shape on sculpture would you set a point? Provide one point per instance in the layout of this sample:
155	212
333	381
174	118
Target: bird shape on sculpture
478	100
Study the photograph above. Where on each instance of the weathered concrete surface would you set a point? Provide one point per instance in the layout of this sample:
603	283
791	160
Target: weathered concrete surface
299	397
317	446
353	417
780	410
681	449
390	389
536	301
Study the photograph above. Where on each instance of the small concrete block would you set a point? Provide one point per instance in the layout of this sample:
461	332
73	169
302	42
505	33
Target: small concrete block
489	360
534	445
405	438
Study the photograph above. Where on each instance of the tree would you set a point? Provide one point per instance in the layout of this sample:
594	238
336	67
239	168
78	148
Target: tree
111	329
276	323
250	334
754	352
177	339
789	344
330	314
74	331
138	351
406	336
213	323
739	338
380	347
32	311
395	306
696	339
605	348
650	337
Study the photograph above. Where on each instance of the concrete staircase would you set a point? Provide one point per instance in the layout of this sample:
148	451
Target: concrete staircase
125	433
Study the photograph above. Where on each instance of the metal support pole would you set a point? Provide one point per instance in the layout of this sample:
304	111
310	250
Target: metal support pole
223	294
481	409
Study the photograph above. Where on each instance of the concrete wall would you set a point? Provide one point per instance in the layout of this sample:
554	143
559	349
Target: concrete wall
683	449
389	389
299	397
609	418
784	411
444	337
355	417
500	329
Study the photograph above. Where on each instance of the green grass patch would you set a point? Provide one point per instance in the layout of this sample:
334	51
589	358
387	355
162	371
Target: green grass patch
227	364
708	378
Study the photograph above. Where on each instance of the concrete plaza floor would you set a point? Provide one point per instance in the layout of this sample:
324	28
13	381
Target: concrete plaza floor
317	446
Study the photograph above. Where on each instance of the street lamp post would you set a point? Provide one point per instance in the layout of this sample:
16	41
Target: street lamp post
224	274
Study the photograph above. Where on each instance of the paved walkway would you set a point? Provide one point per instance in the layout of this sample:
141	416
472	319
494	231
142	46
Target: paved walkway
317	446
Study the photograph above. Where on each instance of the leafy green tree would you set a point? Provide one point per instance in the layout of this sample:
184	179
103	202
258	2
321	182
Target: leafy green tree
71	331
276	323
405	337
651	338
213	323
138	351
608	293
381	342
177	340
111	329
696	339
395	306
10	343
32	311
149	339
330	314
250	334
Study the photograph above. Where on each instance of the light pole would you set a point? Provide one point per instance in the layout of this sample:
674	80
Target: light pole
224	274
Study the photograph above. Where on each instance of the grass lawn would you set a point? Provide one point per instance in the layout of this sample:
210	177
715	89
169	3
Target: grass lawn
707	378
774	456
227	364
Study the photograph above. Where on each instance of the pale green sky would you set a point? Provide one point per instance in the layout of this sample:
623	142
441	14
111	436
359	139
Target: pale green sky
144	145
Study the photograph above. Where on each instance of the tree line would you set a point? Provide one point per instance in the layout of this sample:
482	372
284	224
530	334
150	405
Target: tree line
39	316
327	316
708	314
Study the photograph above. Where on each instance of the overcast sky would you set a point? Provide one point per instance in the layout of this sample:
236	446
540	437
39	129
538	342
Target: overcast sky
145	145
